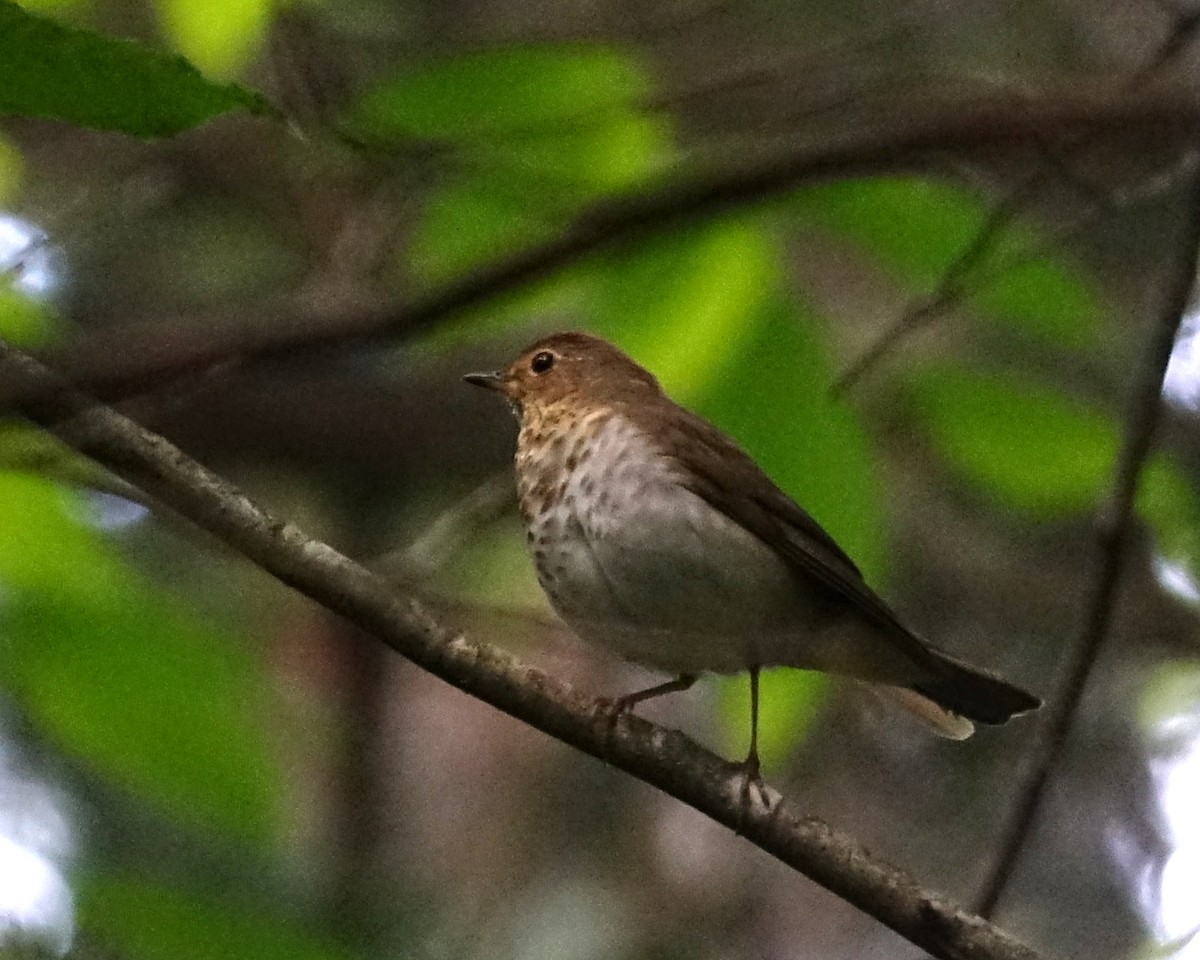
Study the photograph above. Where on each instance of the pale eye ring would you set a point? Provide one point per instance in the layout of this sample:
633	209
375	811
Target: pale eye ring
541	362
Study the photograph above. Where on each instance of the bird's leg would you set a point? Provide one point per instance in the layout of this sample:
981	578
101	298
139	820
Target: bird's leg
750	767
751	762
615	707
611	709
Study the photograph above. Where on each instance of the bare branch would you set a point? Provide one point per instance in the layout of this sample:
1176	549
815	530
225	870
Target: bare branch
663	758
1113	527
902	136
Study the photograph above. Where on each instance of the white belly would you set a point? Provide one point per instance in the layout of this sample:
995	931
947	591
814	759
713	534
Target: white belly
636	563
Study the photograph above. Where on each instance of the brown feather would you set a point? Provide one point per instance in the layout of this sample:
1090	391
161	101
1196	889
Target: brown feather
714	468
590	371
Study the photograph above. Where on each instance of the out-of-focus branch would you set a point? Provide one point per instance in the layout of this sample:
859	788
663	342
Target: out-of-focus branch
951	289
450	531
896	137
663	758
953	286
1112	534
1181	36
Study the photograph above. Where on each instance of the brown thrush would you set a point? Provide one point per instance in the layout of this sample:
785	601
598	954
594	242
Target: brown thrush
655	536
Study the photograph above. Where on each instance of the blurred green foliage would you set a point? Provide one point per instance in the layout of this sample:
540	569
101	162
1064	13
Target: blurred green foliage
51	6
218	36
1019	440
27	322
78	76
918	229
124	679
685	304
22	320
143	919
1167	706
11	166
511	95
233	252
534	134
1042	453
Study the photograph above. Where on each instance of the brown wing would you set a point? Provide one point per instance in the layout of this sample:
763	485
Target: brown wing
718	471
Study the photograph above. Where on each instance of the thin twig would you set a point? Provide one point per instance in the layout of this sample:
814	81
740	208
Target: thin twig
663	758
450	531
952	288
1113	528
1115	519
967	275
132	358
1182	34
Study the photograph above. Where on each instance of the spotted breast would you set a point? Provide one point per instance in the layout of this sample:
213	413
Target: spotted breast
633	562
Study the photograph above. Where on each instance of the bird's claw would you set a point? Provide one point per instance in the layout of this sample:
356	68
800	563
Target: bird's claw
749	771
611	709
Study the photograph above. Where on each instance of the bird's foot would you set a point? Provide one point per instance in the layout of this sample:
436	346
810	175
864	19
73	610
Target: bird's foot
615	706
753	792
610	709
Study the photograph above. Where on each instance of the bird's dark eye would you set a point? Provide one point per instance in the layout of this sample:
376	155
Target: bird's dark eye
541	362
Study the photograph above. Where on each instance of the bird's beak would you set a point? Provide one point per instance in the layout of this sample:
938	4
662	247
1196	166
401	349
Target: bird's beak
492	381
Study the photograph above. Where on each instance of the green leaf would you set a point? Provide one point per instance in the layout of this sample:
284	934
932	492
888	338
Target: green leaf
469	223
1024	443
27	449
558	123
219	36
51	6
1167	500
1043	298
1171	693
147	921
1038	451
502	94
916	229
494	571
515	198
11	169
537	133
62	73
684	304
22	320
123	679
913	227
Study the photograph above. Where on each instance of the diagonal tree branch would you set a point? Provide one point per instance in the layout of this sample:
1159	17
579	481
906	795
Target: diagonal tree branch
664	758
1113	526
890	138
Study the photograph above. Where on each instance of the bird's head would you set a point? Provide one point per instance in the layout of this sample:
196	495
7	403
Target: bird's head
567	368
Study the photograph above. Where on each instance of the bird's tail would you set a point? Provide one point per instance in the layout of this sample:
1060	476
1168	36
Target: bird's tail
939	720
956	694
